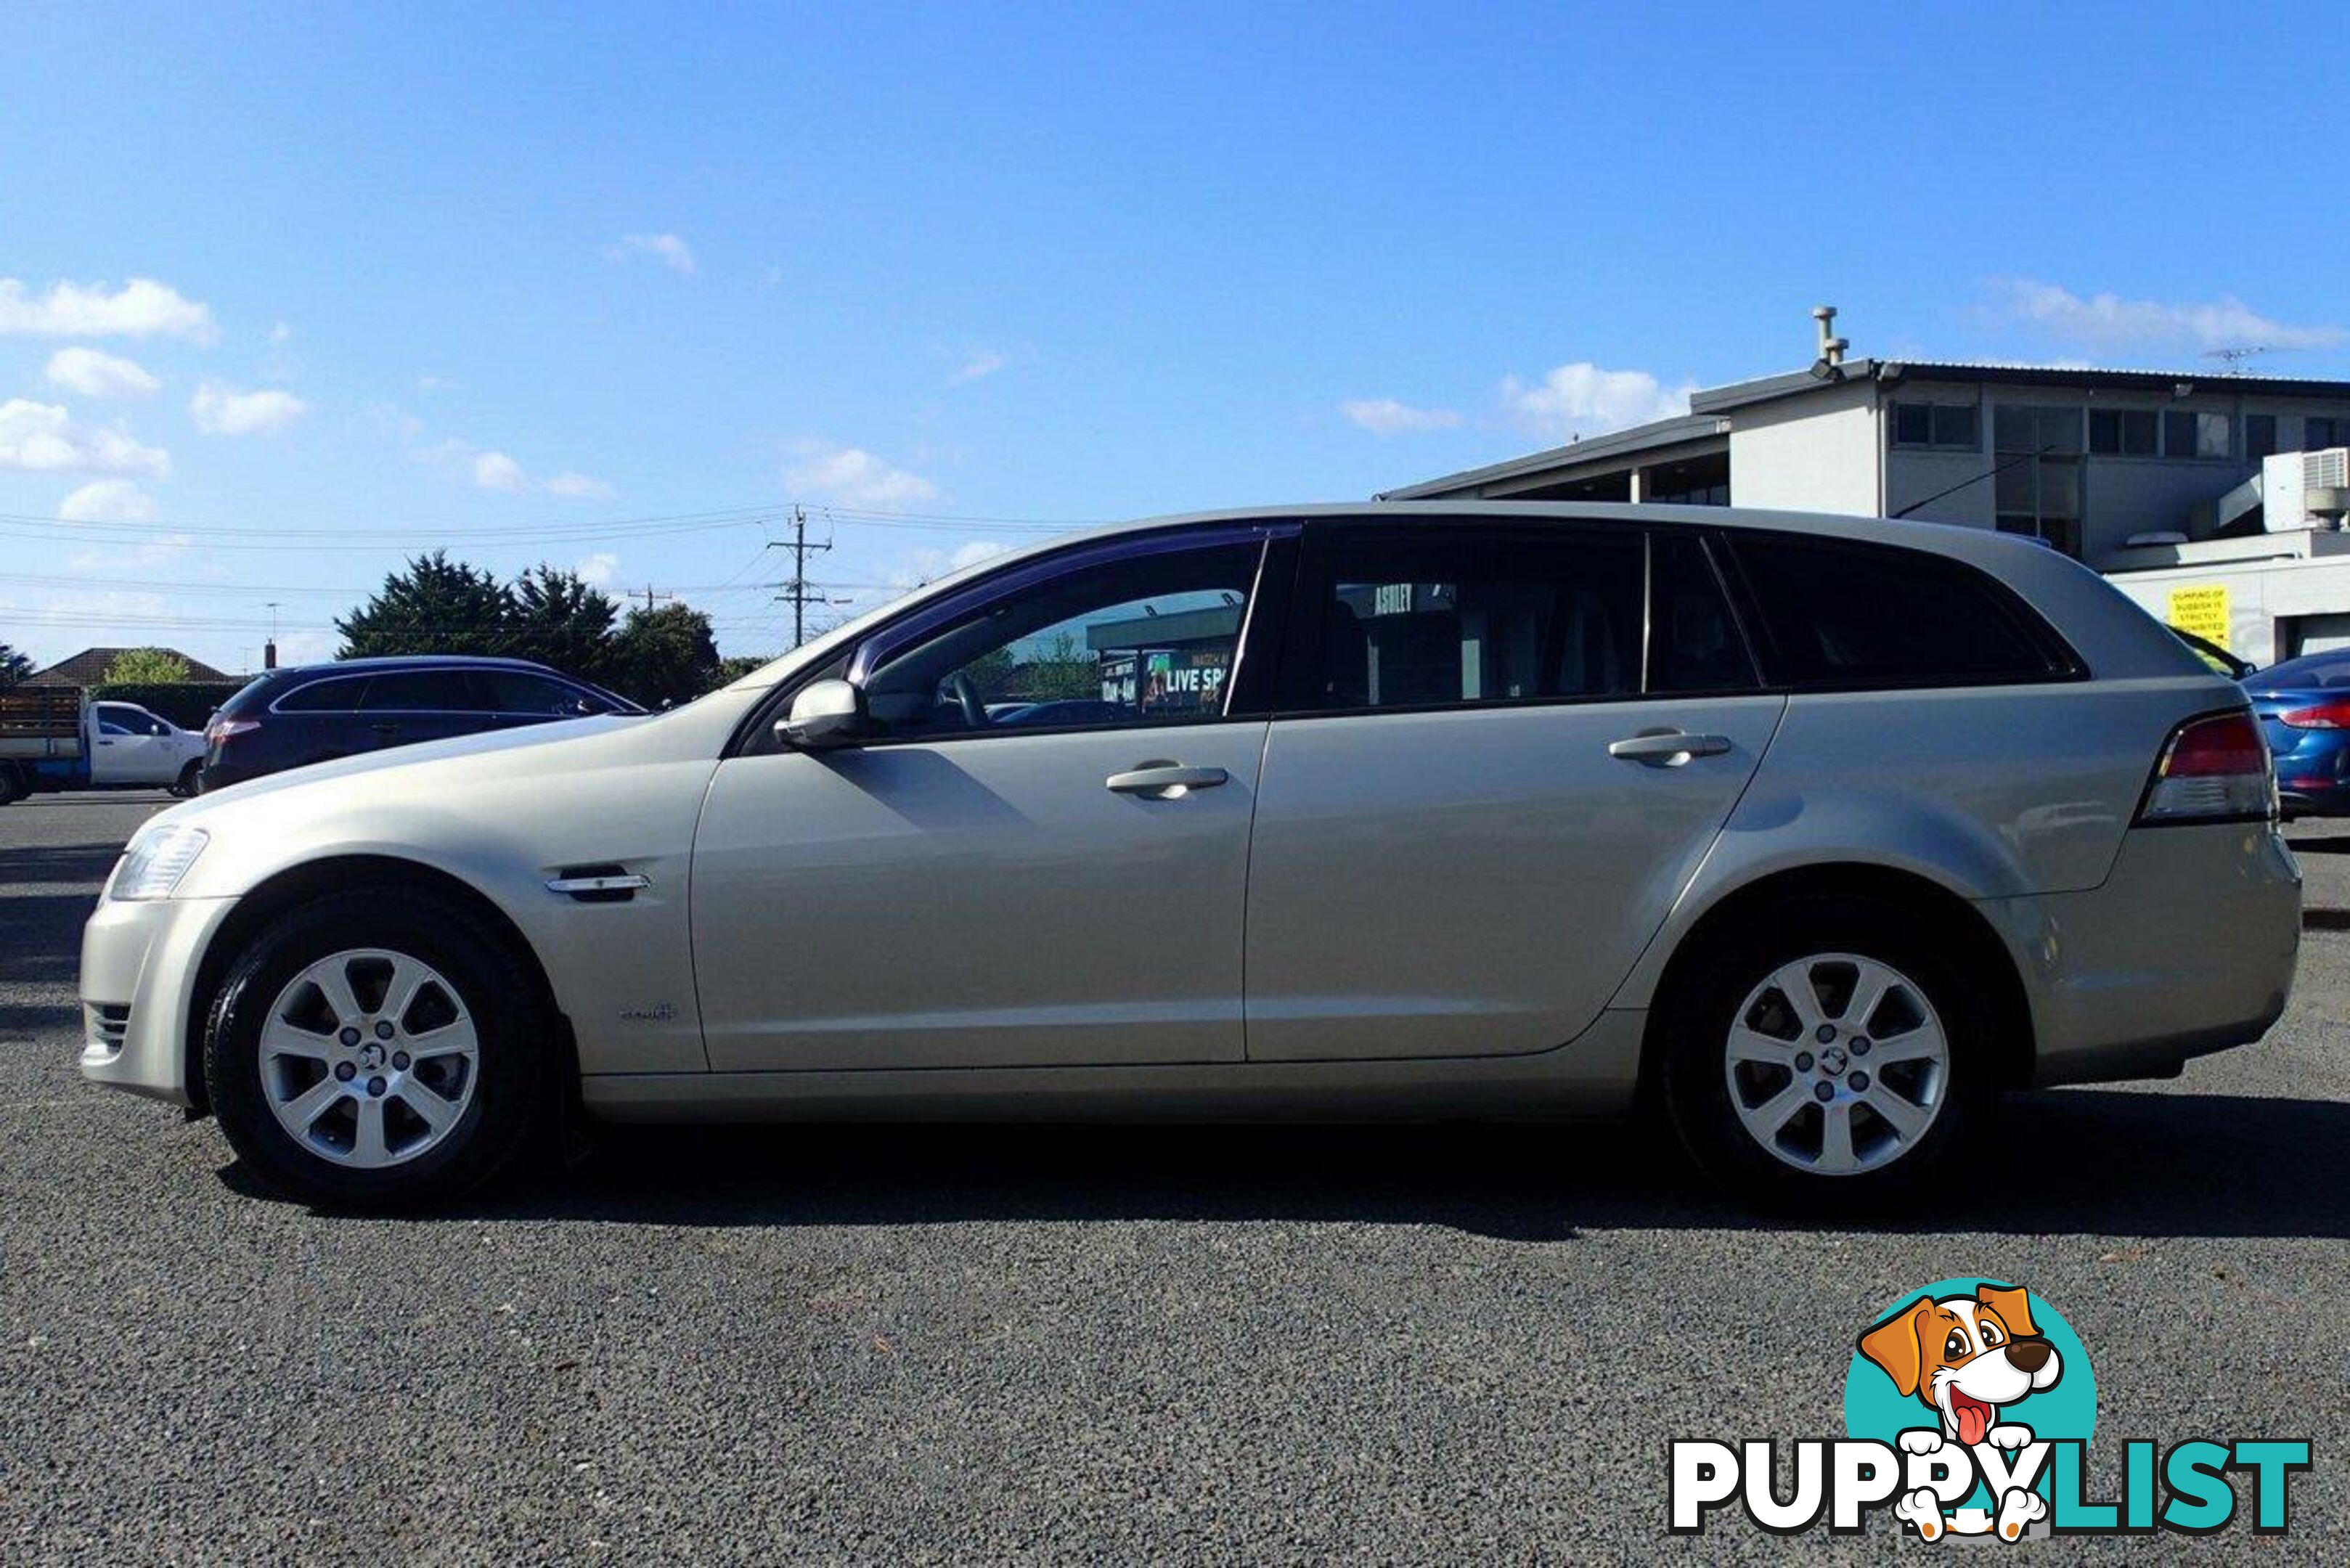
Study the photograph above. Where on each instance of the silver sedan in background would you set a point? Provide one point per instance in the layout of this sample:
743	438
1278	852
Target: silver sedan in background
1817	833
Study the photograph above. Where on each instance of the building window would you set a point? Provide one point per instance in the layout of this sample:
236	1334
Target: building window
2036	474
2186	433
2318	432
2027	427
1937	424
2260	436
2129	431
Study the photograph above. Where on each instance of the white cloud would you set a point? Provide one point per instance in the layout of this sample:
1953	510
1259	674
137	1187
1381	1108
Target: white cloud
38	437
979	363
673	251
140	309
928	565
108	501
96	375
1386	417
1581	400
852	476
2106	323
579	487
221	409
496	470
599	569
281	333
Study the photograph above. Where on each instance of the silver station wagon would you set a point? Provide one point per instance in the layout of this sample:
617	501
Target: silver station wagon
1814	833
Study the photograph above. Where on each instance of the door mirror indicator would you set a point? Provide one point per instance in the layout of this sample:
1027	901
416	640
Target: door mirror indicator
824	713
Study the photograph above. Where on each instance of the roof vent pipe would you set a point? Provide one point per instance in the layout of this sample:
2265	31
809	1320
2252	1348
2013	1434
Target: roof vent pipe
1831	346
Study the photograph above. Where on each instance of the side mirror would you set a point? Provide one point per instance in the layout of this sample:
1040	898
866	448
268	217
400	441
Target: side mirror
824	713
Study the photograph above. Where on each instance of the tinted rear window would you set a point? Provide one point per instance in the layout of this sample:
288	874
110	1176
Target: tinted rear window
253	693
1481	616
338	696
1693	643
420	691
1837	614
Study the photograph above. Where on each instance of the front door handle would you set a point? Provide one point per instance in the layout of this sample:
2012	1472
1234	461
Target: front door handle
1165	781
1667	748
385	729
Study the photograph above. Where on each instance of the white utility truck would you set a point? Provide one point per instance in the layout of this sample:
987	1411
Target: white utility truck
54	738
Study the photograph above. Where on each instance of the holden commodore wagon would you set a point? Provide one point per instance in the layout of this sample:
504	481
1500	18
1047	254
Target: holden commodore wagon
1816	834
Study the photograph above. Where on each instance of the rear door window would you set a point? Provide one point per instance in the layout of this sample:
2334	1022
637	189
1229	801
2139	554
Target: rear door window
1840	614
1475	616
1693	640
419	691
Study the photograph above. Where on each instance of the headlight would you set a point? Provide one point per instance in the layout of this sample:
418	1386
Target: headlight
156	861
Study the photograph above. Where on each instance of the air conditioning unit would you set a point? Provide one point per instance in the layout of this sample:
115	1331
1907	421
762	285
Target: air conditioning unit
2305	489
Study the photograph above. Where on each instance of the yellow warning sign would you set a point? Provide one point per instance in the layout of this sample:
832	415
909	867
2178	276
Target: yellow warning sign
2203	611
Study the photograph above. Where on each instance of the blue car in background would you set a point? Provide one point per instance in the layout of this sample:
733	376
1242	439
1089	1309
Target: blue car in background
2303	706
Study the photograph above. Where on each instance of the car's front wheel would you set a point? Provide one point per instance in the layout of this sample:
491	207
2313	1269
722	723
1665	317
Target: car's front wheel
190	781
1835	1052
377	1048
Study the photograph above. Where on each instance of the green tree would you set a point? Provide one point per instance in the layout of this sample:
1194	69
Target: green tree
146	667
665	654
558	618
14	666
1062	670
736	665
435	606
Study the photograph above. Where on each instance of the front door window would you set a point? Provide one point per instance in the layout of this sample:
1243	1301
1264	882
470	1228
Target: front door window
1144	640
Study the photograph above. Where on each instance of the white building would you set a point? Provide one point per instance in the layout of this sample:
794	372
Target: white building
2214	500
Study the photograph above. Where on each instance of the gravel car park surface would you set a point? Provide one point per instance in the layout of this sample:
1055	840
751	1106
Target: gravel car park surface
906	1342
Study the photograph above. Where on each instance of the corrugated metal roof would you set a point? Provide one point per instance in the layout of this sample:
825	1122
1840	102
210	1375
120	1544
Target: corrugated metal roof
1615	443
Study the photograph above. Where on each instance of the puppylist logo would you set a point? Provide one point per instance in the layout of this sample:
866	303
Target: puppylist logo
1968	1406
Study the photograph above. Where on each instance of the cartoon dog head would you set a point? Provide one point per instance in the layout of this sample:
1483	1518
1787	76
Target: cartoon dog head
1965	1355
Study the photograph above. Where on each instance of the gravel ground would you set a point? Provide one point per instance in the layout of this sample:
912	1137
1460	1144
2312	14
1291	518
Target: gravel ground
907	1344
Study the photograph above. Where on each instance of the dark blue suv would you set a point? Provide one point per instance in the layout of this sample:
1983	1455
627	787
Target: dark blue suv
316	713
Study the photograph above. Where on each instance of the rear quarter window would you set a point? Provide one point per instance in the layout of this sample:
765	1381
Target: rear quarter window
337	696
1840	614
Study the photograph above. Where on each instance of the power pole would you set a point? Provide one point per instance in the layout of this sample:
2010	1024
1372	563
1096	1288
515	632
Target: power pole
651	597
797	591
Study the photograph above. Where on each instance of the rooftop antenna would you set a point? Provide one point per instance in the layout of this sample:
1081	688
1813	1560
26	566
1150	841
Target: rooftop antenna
2234	355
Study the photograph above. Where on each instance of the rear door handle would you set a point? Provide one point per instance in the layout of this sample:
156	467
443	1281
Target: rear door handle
1667	748
1165	781
385	729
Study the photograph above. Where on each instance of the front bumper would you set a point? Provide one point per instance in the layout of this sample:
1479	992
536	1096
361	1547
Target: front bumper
139	963
2188	948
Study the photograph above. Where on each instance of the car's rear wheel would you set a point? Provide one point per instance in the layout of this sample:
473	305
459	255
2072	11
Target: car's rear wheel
1835	1051
378	1049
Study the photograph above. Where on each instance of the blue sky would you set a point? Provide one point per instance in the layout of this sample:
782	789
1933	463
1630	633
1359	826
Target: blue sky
511	279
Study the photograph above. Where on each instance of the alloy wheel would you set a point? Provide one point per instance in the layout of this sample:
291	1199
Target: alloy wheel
369	1058
1838	1064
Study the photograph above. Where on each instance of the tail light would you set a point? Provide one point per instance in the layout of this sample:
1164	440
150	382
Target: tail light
220	730
2216	768
2333	715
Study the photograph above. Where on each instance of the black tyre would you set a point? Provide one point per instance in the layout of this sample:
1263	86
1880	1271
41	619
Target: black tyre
379	1049
190	781
1832	1052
